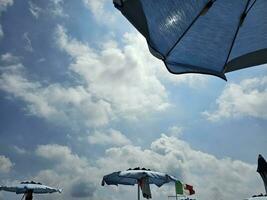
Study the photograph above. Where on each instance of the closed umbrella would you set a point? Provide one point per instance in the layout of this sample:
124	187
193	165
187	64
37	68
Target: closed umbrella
201	36
142	177
28	188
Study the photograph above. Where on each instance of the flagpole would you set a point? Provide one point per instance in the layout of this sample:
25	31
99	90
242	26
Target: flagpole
175	191
176	196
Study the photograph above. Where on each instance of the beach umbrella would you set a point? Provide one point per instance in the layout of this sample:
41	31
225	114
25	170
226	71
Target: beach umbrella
201	36
262	170
140	177
28	188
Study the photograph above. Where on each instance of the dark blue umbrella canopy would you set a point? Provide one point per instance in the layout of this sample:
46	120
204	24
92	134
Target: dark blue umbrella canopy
262	170
135	176
201	36
132	177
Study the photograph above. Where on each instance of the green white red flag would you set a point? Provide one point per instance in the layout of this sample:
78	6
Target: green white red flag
184	189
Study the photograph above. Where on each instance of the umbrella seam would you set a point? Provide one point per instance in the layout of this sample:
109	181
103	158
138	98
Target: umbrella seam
251	7
235	36
188	28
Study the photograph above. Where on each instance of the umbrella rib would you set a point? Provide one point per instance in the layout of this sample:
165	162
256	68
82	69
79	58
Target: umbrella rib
121	177
188	28
251	6
242	17
23	196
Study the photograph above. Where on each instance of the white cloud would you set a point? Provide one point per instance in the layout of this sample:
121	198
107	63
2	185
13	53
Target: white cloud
8	59
72	173
248	98
28	43
110	137
104	16
195	81
176	131
117	82
60	154
3	6
212	178
56	8
1	31
100	11
5	164
34	9
122	76
72	105
19	150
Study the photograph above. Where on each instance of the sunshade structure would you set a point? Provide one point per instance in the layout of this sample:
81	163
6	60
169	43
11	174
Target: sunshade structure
201	36
142	177
262	170
28	188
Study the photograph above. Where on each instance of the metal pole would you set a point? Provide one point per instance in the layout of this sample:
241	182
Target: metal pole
23	196
175	191
138	191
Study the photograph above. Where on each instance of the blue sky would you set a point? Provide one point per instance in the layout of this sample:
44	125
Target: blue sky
81	96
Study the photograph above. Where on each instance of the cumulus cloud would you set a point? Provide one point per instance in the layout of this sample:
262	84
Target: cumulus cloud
82	189
100	11
176	131
71	172
54	102
212	178
110	137
115	82
5	164
247	98
122	76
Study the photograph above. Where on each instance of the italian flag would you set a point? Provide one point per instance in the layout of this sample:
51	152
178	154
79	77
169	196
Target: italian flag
183	189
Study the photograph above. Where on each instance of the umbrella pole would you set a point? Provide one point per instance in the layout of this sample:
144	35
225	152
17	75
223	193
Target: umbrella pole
23	196
138	191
